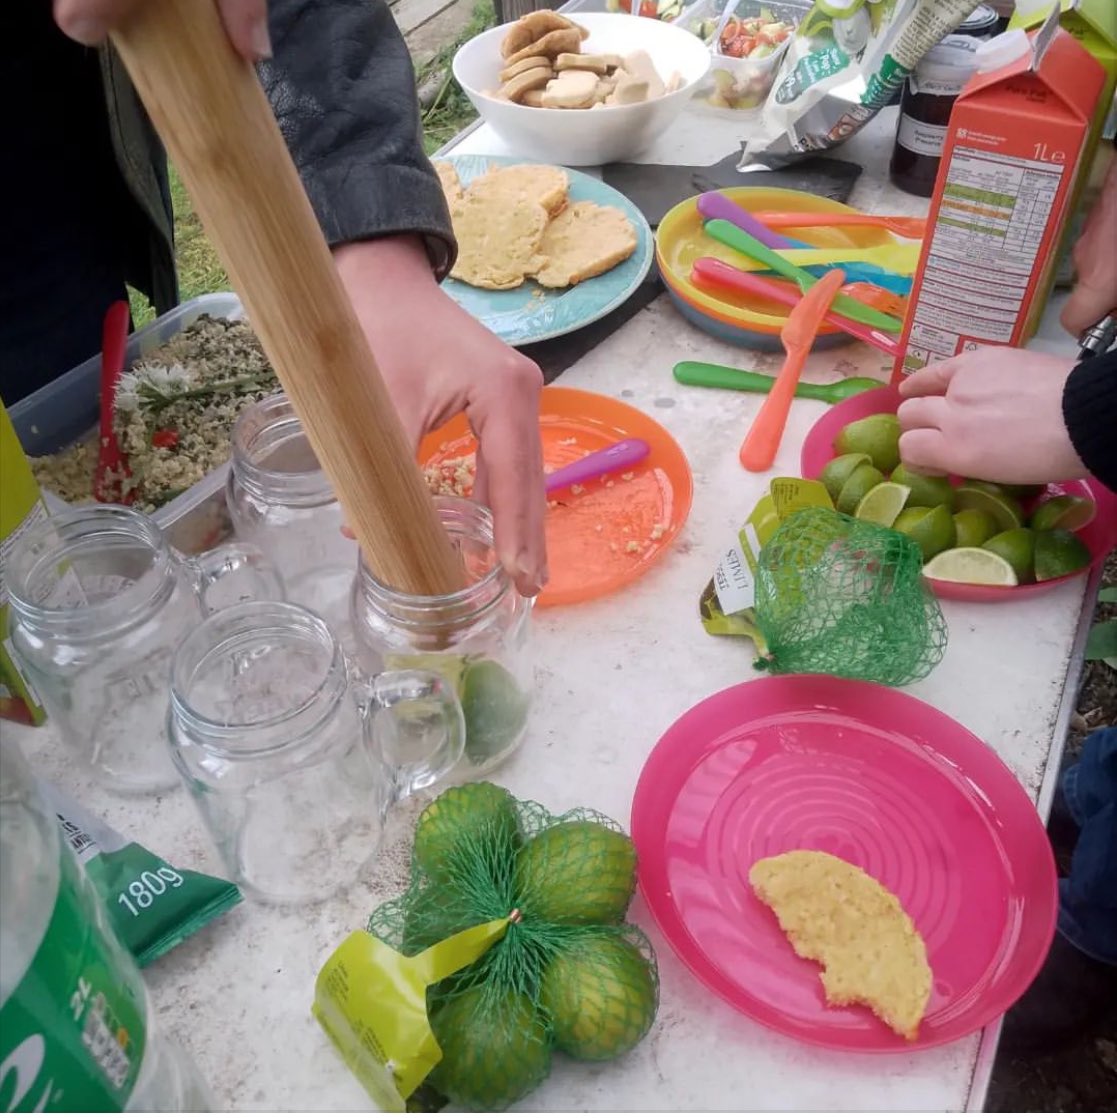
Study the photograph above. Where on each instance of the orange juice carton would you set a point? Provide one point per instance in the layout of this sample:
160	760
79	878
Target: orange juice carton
21	508
1011	158
1094	24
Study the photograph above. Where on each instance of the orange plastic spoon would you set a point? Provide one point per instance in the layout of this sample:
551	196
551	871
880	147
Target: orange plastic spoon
758	451
913	227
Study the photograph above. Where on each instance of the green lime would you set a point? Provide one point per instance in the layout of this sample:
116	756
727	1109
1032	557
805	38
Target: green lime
932	529
1059	553
577	872
878	436
495	710
863	478
838	470
1065	511
991	500
449	665
600	996
926	492
433	915
882	504
1017	547
971	564
973	527
467	814
495	1048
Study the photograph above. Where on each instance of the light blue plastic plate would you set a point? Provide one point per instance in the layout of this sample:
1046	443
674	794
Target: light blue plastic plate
530	313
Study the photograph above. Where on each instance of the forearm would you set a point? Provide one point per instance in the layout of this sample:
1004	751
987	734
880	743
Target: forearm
342	86
1090	413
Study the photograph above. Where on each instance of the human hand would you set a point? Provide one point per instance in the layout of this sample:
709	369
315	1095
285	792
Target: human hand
1095	262
437	361
993	413
90	21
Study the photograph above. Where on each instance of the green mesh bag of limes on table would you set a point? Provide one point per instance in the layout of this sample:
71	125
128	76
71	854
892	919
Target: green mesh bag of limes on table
509	945
976	532
818	591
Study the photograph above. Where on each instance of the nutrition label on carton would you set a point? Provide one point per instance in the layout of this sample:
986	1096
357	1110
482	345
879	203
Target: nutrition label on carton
991	224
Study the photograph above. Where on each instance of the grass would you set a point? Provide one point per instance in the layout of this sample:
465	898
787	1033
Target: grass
199	270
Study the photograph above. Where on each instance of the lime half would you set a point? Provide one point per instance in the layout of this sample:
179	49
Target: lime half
932	529
1017	547
1059	553
971	564
991	500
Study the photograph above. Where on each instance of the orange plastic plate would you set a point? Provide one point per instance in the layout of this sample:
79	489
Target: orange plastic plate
608	535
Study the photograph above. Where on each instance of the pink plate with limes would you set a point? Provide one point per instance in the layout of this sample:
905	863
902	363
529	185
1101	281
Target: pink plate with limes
1099	536
870	775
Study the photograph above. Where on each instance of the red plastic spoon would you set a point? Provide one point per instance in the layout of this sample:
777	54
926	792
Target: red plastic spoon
112	466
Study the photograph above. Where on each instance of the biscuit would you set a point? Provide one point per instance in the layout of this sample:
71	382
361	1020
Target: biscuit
628	91
537	78
567	40
571	89
598	63
529	63
533	99
529	28
498	236
839	916
585	240
448	177
538	182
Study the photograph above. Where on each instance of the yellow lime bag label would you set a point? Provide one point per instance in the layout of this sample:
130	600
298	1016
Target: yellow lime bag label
372	1003
21	508
726	605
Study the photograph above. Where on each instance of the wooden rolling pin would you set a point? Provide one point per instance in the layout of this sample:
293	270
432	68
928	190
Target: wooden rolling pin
211	112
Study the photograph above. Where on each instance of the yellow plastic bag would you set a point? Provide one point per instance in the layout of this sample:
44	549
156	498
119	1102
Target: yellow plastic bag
372	1003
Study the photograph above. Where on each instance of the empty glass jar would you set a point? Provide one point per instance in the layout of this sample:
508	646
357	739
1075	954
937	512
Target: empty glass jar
291	764
99	602
477	638
281	501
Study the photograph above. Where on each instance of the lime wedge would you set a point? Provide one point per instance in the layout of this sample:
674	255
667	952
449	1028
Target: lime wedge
926	492
878	436
973	527
883	503
839	470
863	478
1059	553
932	529
1067	512
991	500
1017	547
971	564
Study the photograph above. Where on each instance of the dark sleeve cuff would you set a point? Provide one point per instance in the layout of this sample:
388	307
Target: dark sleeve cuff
343	90
1090	413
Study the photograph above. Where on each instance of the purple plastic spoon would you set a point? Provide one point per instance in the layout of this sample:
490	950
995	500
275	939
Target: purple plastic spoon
713	205
607	460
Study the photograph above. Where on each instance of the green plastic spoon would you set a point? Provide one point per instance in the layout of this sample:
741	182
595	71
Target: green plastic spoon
701	375
742	242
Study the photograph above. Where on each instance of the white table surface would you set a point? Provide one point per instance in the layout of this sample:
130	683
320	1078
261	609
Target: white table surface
613	676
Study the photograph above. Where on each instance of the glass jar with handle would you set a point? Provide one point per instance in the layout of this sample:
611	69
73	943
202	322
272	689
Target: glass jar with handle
281	501
476	638
294	764
99	602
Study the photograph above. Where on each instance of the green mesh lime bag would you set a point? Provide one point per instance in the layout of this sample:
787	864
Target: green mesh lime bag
846	597
568	974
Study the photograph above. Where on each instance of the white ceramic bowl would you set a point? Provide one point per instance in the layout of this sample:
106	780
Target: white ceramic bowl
586	137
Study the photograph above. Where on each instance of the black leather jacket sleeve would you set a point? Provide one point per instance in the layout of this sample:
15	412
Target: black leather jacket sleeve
343	90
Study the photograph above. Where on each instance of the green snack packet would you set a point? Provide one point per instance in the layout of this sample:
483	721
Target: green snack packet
153	906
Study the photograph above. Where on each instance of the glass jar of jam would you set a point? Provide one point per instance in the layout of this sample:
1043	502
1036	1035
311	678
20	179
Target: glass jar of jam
928	99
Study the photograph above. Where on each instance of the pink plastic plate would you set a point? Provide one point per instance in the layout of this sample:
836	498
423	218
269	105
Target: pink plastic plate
1100	535
870	775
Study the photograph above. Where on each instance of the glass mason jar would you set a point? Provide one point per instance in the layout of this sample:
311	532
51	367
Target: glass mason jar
99	601
477	638
281	501
293	765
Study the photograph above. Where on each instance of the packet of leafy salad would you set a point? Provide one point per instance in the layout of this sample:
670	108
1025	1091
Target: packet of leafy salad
153	905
